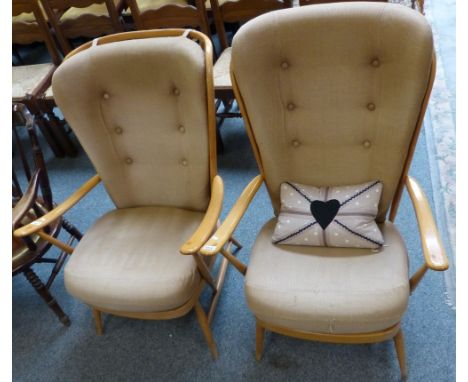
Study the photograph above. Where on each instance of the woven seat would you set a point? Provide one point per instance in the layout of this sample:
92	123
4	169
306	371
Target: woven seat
25	79
222	77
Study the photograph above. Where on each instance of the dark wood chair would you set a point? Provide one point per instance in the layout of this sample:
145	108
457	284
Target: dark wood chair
154	14
83	18
31	83
31	204
230	12
310	2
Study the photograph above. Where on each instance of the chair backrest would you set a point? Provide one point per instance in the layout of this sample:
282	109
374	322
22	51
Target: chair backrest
239	11
29	25
310	2
142	106
148	14
334	94
82	18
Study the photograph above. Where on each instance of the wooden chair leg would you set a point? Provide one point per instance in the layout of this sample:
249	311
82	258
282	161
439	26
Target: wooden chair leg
98	321
46	296
236	243
203	320
400	350
260	339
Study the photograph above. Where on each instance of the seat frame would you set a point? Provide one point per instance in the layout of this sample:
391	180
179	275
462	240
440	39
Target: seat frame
432	247
206	228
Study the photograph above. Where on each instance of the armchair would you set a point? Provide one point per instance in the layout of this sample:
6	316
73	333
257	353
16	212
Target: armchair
151	136
337	97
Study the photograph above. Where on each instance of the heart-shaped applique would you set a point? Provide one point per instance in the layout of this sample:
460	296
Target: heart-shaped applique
324	212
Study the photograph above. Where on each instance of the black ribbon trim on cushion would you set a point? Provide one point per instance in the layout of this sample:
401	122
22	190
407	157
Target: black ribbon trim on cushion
295	233
361	192
358	234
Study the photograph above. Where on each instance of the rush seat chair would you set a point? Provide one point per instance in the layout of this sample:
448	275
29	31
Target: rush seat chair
151	136
334	95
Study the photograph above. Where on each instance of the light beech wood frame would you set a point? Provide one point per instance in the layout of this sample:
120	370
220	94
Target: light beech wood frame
202	233
432	248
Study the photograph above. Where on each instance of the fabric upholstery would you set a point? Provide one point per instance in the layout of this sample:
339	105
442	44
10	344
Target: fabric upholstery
329	216
221	73
333	92
328	290
26	78
129	260
138	108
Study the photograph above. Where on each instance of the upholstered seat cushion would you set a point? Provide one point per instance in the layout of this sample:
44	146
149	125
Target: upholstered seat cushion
129	260
328	290
26	78
222	77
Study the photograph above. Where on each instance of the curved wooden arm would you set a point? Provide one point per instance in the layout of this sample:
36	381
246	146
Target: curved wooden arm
208	224
27	200
433	249
58	211
225	231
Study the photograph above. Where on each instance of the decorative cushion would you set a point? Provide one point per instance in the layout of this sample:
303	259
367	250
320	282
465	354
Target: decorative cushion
329	216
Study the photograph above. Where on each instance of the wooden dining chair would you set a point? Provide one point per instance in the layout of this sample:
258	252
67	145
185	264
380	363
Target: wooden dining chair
150	133
31	83
31	199
234	12
333	96
151	14
83	18
310	2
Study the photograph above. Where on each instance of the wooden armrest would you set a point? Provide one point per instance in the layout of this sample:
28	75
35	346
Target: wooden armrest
58	211
27	200
208	224
433	249
225	231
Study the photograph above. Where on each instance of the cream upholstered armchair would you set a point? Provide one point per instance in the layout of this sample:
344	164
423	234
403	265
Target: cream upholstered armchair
334	95
142	105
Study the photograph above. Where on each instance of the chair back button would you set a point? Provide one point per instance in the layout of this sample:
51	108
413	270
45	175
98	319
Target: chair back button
285	65
375	63
296	143
128	160
182	129
291	106
371	106
118	130
106	96
366	144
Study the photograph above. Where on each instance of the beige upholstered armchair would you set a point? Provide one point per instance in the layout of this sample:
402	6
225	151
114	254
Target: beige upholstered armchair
142	105
334	95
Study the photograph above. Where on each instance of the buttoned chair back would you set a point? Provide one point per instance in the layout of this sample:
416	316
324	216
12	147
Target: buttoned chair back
150	147
332	95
